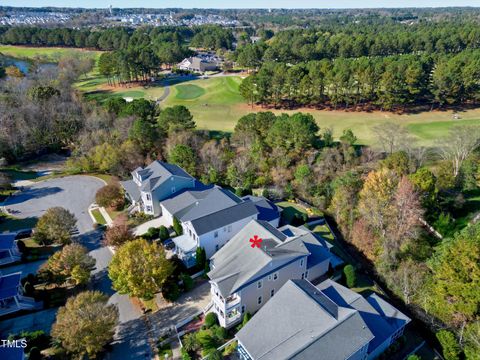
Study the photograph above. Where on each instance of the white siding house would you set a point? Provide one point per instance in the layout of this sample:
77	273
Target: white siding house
209	218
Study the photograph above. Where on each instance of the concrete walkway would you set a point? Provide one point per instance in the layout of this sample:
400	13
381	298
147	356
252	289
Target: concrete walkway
187	305
155	223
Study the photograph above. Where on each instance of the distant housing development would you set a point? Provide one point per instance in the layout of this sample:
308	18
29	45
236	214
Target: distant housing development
302	321
243	278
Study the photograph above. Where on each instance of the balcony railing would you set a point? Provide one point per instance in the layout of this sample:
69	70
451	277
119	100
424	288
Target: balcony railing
232	300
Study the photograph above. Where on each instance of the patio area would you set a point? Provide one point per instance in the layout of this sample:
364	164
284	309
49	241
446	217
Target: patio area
155	223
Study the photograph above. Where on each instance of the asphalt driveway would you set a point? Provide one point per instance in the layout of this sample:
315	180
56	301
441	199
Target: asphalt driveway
74	193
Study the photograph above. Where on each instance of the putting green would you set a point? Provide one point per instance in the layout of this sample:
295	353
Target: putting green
189	91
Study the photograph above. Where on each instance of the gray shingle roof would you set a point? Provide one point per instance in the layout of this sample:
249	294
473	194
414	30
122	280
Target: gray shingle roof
157	173
237	264
224	217
301	322
209	209
9	285
381	318
267	210
7	240
132	189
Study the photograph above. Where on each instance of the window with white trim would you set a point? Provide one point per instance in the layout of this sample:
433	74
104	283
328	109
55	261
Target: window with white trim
275	276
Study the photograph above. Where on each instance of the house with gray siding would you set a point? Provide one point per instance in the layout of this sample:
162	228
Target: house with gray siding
246	273
303	321
154	183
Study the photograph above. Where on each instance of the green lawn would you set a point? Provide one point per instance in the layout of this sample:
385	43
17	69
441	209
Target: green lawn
221	106
290	210
50	54
469	210
437	129
9	223
216	105
99	219
189	91
16	175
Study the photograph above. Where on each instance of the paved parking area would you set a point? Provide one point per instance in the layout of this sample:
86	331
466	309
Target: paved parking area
74	193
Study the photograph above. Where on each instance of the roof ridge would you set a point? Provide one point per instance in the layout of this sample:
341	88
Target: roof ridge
217	211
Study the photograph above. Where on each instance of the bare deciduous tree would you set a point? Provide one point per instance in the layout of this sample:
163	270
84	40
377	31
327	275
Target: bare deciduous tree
458	145
392	137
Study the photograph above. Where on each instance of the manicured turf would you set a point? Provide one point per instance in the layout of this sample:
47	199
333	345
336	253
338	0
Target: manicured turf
189	91
216	105
98	217
9	223
435	130
290	210
44	53
221	106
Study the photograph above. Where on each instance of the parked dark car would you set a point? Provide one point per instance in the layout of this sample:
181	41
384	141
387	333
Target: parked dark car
169	244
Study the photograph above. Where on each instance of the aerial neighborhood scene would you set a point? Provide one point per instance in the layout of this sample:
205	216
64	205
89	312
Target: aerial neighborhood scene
244	181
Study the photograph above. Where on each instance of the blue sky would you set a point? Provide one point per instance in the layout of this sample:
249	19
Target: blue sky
243	3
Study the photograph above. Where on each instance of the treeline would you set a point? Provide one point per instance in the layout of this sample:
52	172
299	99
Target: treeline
210	37
353	41
381	82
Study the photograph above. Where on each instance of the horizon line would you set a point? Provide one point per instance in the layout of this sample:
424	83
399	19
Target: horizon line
248	8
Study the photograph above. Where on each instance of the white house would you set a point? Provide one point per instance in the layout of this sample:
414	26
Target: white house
210	217
154	183
247	272
303	321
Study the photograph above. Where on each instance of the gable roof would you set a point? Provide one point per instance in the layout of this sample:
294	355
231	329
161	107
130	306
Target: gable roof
267	210
157	173
208	209
382	318
9	285
310	324
237	264
7	240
